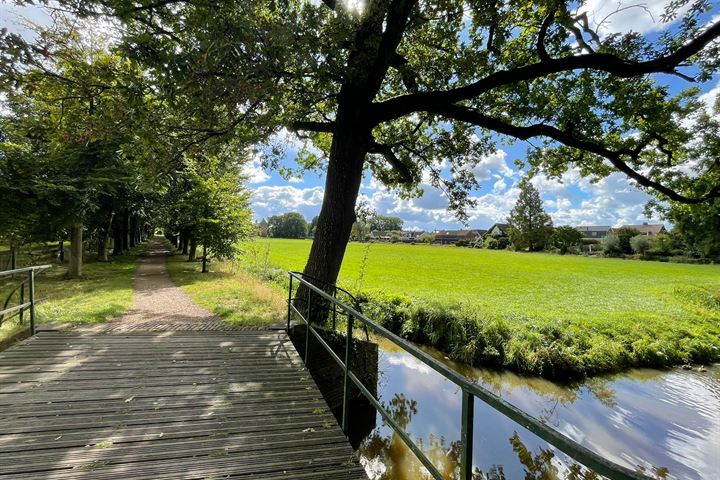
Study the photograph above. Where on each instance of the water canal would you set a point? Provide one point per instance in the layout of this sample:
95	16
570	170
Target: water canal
665	423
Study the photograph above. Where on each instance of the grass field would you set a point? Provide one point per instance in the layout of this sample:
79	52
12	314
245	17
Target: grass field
603	314
104	292
232	294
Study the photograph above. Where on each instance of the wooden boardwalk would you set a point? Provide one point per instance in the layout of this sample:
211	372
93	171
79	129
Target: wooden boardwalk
165	405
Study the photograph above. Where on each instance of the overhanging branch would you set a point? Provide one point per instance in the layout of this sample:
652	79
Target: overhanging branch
622	68
308	126
396	164
569	139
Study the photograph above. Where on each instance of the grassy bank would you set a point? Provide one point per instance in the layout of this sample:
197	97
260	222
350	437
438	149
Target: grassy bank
104	292
549	315
236	296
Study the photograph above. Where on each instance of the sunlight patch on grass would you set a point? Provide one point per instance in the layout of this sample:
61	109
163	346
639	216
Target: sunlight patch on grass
235	296
104	293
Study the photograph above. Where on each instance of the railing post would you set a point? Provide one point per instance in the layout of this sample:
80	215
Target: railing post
466	435
289	303
335	308
346	384
21	314
32	301
307	329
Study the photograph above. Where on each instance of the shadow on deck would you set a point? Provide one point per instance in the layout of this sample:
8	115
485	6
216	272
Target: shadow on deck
165	405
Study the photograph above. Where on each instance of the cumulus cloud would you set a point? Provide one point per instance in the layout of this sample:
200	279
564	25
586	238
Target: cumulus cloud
273	200
611	201
492	164
625	15
254	170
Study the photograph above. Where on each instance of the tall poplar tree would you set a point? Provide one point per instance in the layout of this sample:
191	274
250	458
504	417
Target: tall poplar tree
531	227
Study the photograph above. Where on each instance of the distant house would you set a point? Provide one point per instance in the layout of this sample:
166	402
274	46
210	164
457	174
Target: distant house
410	235
651	230
380	235
448	237
594	231
498	230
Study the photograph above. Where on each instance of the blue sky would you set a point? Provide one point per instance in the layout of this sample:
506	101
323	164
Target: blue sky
571	201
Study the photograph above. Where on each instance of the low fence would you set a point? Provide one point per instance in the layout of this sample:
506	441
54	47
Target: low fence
310	299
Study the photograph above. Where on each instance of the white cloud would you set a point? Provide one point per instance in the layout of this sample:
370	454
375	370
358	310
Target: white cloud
273	200
625	15
499	186
254	170
710	97
611	201
493	163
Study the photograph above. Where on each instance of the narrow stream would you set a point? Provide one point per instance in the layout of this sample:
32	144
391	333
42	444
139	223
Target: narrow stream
664	423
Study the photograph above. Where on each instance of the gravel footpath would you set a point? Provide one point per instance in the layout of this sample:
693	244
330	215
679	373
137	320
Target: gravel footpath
159	304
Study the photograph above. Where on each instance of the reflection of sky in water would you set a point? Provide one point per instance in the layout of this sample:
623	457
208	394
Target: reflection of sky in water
643	418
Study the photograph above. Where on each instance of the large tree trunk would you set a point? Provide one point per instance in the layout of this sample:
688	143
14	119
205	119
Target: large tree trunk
103	238
342	184
125	231
76	250
132	230
184	242
204	259
193	249
61	251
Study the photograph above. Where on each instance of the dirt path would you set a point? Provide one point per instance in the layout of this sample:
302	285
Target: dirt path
159	304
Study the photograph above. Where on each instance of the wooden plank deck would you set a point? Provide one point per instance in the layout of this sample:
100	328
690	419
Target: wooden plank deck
165	405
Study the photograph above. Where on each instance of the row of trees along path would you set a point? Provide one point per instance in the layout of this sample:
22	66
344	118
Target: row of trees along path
158	303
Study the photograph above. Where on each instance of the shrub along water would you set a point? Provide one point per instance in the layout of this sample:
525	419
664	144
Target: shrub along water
556	350
550	315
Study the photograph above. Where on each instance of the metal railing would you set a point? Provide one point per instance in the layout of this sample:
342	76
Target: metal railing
469	389
22	306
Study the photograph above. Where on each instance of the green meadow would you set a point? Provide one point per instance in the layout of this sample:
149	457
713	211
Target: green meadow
536	313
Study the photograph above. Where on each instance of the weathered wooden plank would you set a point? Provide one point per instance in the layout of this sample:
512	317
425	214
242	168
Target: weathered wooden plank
165	405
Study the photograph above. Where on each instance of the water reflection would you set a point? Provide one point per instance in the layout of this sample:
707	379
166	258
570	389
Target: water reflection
663	423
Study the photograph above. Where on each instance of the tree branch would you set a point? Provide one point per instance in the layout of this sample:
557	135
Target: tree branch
406	104
542	52
327	127
397	164
569	139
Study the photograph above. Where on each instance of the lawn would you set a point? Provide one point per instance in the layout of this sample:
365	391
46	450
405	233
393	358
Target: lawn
234	295
598	314
104	292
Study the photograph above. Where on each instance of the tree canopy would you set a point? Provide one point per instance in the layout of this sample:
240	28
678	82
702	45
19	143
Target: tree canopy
399	87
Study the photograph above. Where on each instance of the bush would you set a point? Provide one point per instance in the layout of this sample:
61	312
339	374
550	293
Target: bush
640	244
496	243
427	238
624	235
611	245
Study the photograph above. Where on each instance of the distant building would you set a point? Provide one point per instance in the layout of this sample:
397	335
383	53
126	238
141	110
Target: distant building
651	230
380	236
498	230
594	231
448	237
410	235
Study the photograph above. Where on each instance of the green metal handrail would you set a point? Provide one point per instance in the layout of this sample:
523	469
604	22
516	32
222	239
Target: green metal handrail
470	390
30	304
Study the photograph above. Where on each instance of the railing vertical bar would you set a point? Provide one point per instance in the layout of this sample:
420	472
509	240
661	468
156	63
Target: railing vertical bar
346	384
21	315
289	303
335	308
466	435
31	287
307	330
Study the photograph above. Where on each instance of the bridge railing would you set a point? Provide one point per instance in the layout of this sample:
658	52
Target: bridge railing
8	312
469	390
